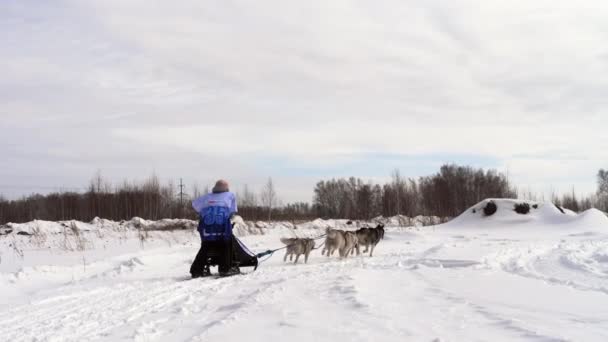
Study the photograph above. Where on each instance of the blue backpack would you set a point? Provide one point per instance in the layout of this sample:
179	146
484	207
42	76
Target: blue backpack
214	224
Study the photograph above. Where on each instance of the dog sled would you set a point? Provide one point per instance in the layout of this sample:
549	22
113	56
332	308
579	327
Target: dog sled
241	255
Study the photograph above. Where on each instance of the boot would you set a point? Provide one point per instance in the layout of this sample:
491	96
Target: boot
231	271
205	273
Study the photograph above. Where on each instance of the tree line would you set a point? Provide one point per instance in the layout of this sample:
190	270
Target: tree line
150	200
446	193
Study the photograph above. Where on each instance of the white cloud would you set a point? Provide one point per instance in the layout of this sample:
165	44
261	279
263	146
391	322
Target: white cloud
313	84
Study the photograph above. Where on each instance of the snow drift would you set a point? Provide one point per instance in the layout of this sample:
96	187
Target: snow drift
540	216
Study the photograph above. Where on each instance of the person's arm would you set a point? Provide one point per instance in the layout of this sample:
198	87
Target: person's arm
198	204
233	207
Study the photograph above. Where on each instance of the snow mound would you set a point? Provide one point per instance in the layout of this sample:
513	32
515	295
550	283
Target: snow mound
49	227
536	215
38	227
405	221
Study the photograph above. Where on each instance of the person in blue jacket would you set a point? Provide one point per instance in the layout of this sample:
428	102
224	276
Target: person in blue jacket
215	210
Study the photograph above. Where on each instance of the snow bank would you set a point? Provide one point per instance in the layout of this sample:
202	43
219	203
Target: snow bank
241	228
97	224
19	239
540	215
404	221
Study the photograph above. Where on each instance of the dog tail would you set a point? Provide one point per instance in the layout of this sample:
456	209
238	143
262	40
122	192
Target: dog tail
311	243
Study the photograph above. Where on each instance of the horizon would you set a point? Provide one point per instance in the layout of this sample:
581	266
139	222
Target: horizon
300	93
189	189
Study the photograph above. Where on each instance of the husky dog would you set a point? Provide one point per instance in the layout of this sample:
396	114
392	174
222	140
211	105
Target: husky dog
380	228
297	247
334	242
369	237
350	242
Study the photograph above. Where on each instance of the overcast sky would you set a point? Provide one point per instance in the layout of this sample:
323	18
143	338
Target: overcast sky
301	91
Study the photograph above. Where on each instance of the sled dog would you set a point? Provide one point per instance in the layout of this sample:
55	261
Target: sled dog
297	247
350	242
334	241
369	237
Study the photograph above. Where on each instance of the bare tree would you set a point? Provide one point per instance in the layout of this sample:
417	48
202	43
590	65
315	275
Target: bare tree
247	198
269	197
96	182
602	190
570	201
602	181
398	184
196	190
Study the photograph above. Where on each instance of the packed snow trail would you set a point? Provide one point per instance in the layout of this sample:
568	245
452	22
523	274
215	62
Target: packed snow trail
455	282
412	289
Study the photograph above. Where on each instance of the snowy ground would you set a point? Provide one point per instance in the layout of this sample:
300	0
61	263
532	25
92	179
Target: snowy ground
508	277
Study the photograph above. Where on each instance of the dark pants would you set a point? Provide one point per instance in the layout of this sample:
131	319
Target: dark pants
213	253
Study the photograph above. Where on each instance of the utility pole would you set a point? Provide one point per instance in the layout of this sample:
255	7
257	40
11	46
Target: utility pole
181	193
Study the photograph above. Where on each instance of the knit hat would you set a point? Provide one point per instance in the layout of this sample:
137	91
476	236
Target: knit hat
220	186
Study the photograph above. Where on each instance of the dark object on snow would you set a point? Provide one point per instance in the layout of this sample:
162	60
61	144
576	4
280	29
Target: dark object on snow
349	222
474	211
535	206
24	233
522	208
6	232
560	209
227	255
490	209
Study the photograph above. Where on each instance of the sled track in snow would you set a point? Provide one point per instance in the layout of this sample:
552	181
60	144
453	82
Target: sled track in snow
417	287
581	266
90	314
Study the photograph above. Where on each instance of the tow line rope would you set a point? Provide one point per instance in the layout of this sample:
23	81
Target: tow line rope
270	252
321	245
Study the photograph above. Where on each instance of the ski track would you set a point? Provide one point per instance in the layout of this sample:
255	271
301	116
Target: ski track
404	292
